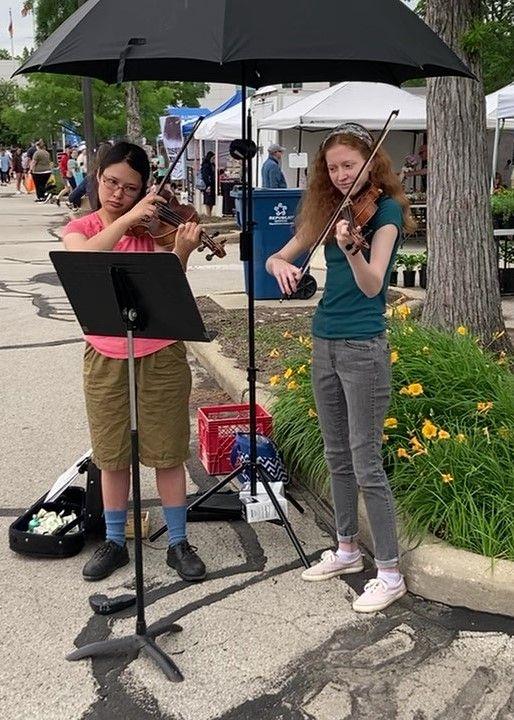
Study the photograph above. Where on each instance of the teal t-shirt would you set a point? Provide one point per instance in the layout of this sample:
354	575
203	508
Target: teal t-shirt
344	311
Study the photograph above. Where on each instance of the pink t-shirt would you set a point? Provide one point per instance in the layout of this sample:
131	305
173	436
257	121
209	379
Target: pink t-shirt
116	347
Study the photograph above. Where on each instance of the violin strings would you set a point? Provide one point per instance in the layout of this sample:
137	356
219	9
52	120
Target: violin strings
168	214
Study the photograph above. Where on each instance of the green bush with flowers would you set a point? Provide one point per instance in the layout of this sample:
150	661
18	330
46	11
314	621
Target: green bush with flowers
448	437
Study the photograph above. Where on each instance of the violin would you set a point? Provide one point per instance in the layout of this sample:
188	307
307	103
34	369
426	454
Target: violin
163	226
357	210
358	213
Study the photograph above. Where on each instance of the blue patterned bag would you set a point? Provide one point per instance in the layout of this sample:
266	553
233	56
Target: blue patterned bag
267	455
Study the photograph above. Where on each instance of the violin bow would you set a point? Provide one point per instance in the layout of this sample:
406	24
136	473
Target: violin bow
346	199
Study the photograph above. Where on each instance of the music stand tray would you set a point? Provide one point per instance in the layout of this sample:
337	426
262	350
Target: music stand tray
138	295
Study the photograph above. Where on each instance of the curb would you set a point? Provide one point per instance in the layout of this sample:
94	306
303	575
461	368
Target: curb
433	569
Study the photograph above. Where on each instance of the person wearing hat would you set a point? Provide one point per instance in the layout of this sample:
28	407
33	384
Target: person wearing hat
272	175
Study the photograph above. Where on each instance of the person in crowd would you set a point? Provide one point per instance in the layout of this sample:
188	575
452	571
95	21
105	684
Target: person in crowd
5	165
208	173
74	172
63	164
272	175
63	169
410	163
163	374
17	168
88	186
162	163
351	371
82	163
41	169
498	183
423	156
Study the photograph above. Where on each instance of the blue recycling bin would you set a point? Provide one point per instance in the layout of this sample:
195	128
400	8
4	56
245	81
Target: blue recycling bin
274	213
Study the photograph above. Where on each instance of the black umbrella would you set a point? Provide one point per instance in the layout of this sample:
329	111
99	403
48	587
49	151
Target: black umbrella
275	40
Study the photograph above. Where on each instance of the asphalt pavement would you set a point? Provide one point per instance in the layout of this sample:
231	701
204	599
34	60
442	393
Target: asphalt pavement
256	641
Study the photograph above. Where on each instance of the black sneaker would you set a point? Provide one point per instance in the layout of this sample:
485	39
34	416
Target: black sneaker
183	558
106	559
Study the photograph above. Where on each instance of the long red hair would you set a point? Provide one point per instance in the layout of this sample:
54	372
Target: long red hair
321	197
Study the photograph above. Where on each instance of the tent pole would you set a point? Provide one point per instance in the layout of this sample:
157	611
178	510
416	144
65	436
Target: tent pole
495	150
299	151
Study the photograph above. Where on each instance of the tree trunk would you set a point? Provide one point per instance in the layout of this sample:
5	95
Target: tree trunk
462	260
134	125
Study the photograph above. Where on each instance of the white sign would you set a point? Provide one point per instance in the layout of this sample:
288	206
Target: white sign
171	130
298	160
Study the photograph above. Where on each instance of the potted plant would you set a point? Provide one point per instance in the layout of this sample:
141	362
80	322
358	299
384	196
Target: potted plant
502	208
422	259
410	262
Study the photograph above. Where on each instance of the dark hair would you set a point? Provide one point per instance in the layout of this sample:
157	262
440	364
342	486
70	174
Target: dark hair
209	155
108	155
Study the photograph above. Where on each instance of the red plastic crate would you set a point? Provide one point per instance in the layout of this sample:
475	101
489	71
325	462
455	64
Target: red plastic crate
217	426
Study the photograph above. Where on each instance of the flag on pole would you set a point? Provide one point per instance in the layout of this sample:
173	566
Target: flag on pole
10	28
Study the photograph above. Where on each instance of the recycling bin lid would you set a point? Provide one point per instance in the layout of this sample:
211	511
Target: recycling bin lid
237	192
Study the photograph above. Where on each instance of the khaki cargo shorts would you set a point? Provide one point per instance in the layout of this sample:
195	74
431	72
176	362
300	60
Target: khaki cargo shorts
163	387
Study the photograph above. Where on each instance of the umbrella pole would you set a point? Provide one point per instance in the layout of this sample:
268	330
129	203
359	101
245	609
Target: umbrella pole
246	150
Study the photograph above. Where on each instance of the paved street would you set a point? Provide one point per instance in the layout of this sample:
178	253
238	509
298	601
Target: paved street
257	642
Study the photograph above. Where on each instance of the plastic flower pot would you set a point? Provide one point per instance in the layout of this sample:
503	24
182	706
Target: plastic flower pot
409	278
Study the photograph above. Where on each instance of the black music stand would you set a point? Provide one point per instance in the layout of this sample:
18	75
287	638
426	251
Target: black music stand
137	295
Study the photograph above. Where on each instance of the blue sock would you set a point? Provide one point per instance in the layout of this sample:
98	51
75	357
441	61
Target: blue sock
115	526
175	518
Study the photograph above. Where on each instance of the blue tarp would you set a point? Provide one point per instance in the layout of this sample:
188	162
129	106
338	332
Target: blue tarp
186	113
234	100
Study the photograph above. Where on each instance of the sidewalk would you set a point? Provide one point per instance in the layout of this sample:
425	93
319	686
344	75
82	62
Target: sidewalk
434	570
257	641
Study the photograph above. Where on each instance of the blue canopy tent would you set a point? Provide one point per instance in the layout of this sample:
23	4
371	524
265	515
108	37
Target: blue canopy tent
234	100
187	127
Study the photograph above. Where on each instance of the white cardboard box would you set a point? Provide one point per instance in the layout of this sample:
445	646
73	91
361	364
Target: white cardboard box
260	508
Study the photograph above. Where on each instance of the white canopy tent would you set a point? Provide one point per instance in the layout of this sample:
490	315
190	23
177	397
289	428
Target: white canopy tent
225	125
500	108
368	103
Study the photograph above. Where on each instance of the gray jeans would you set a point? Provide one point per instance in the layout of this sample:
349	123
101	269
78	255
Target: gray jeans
352	387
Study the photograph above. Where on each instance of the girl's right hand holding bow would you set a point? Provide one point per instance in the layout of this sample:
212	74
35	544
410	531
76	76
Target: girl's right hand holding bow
143	211
286	274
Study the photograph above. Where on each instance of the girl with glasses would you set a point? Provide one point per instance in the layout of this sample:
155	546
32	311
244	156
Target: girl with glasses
162	373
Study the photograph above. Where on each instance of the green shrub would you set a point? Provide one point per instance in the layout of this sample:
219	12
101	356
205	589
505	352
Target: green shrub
449	435
409	261
502	203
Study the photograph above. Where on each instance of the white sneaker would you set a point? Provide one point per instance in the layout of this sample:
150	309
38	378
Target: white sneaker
330	566
18	192
378	595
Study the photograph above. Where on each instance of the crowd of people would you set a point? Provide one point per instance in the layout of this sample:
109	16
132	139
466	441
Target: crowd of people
32	169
